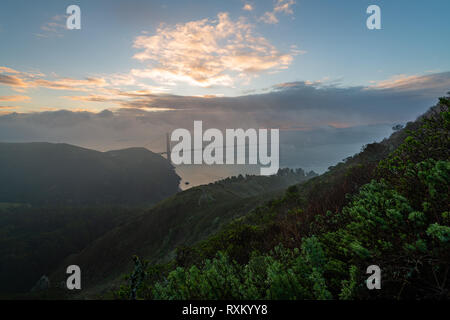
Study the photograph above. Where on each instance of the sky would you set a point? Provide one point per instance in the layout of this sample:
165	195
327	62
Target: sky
137	69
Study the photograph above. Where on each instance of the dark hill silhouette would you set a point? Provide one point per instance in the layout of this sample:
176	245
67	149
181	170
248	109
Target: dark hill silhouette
58	200
46	173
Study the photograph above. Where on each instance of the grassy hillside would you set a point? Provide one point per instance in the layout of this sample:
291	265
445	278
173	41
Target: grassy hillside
388	205
180	220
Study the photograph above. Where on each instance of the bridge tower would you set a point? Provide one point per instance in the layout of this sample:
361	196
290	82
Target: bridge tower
169	158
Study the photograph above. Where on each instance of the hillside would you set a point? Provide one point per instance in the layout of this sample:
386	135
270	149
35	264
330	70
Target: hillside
35	239
45	173
180	220
388	205
293	235
55	199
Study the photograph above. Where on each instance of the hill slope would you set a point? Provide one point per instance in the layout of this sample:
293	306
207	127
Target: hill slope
45	173
56	198
388	205
180	220
35	239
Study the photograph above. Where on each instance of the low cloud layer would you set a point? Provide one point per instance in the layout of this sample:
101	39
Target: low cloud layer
319	124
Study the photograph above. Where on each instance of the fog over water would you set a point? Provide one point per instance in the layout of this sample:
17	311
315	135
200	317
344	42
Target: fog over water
319	125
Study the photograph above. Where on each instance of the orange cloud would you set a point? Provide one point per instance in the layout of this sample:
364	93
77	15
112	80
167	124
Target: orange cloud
4	110
247	7
414	82
339	125
106	85
13	81
119	97
281	6
284	6
22	80
206	53
90	98
8	70
269	17
14	98
71	84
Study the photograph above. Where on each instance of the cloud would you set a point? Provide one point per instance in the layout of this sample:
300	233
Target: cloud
54	28
203	53
4	110
8	70
207	53
281	6
14	78
320	123
119	97
71	84
300	105
284	6
91	98
247	7
290	106
14	98
269	17
414	82
12	81
96	89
